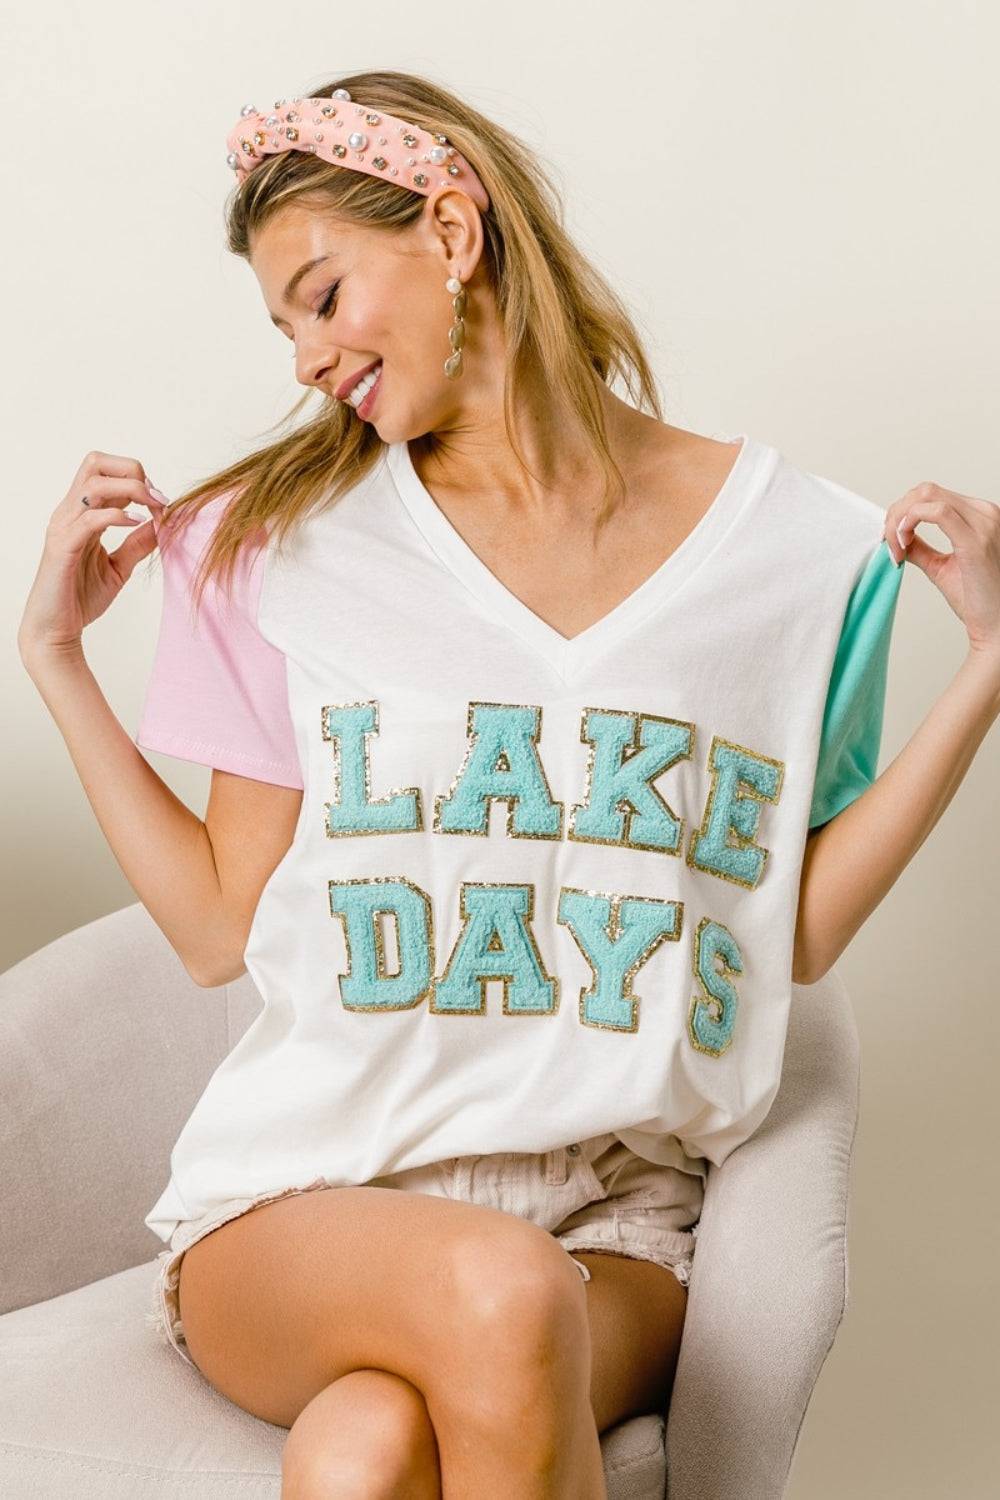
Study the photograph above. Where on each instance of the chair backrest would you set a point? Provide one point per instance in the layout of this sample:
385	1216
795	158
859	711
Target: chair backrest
106	1044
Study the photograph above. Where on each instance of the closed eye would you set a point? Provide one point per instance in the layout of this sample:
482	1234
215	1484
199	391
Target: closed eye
325	306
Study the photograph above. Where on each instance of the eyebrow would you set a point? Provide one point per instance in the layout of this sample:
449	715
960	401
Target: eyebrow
296	278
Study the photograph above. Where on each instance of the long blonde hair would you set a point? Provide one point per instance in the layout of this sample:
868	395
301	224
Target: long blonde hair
557	312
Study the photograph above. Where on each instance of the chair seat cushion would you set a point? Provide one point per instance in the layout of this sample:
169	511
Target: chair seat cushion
94	1406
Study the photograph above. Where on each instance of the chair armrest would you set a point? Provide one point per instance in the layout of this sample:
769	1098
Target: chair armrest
105	1046
769	1285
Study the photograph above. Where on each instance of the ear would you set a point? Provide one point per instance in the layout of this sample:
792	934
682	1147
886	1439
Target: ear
454	230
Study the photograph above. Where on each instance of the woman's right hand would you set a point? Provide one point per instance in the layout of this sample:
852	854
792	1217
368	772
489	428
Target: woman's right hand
77	576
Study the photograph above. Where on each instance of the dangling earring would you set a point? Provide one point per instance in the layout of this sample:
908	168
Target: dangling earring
456	333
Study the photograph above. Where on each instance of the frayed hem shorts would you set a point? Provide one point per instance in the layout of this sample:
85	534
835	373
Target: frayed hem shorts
592	1195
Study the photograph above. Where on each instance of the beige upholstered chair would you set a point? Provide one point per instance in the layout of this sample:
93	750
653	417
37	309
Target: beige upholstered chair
105	1044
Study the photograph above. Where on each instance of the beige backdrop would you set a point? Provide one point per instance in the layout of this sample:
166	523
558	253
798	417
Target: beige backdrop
799	203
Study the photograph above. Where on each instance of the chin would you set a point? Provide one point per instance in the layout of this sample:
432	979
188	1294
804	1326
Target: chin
400	430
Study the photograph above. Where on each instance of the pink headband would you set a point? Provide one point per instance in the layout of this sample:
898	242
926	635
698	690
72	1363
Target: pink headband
392	153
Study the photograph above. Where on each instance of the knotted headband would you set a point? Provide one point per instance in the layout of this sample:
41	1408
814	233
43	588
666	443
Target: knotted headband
332	128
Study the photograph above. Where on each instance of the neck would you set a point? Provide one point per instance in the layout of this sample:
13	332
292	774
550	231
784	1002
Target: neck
475	447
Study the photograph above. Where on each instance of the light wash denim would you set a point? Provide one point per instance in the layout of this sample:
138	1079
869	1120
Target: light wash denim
591	1195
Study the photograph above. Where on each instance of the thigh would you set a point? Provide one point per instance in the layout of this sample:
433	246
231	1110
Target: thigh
293	1294
636	1237
636	1311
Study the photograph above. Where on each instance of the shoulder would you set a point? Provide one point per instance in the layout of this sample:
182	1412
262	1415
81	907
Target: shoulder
187	529
830	532
714	456
184	538
660	447
830	498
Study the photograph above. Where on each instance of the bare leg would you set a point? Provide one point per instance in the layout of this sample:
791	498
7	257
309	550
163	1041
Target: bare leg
482	1312
367	1436
520	1422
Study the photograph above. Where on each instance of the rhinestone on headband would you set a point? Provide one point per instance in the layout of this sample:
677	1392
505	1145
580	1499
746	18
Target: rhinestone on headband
415	156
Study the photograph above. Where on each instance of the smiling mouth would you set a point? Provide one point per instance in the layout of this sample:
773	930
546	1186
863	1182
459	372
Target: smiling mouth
367	383
369	389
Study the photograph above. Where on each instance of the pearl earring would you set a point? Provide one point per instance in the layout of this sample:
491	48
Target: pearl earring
456	333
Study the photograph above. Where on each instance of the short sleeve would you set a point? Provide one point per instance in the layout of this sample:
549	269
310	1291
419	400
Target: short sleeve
852	719
218	691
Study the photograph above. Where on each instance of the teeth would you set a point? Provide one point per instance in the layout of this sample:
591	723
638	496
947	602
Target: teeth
362	388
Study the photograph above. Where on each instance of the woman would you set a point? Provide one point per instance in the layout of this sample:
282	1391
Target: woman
436	1211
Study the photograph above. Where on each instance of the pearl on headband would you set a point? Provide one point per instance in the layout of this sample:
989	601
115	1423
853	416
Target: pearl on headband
256	135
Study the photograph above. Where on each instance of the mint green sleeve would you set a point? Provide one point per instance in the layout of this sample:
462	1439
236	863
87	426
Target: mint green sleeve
852	720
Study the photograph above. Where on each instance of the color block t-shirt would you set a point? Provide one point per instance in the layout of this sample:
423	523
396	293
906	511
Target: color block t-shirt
540	888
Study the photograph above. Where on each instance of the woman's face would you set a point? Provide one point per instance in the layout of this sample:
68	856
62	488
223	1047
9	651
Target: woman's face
370	297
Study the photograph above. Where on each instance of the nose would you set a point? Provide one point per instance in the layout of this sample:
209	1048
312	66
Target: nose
314	364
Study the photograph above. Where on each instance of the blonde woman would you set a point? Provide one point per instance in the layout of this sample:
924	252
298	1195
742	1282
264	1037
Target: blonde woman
543	739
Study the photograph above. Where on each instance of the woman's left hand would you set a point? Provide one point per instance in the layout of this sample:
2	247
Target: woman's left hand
969	575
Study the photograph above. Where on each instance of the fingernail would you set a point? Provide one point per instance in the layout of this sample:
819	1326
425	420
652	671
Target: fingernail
157	494
892	554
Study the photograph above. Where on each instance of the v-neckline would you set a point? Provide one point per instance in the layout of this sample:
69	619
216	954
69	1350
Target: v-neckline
753	465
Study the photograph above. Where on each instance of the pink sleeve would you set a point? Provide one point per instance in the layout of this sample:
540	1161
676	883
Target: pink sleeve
218	693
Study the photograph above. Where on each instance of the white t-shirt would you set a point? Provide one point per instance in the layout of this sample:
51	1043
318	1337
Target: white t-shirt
539	889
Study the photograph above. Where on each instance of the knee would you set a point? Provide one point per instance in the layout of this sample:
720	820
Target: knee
518	1285
368	1436
520	1309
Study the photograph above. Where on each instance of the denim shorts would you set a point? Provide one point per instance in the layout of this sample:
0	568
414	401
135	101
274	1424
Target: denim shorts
591	1195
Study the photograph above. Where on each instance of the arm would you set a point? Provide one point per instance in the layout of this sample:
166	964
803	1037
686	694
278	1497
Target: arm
852	861
251	825
217	695
163	848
